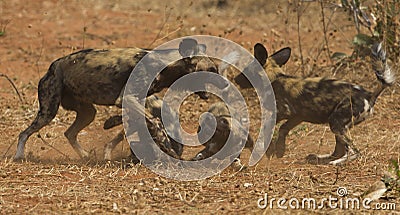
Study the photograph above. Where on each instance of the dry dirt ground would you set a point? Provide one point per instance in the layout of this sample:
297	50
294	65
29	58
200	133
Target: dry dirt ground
55	181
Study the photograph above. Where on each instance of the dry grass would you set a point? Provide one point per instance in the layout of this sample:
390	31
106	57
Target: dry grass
67	187
55	181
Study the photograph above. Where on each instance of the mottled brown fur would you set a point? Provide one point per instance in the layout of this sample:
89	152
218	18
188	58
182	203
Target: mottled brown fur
153	106
226	125
321	100
93	76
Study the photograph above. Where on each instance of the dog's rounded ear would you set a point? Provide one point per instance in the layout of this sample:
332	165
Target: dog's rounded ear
260	53
188	47
282	56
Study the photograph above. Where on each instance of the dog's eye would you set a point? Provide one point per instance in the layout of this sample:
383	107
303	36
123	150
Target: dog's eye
224	121
199	156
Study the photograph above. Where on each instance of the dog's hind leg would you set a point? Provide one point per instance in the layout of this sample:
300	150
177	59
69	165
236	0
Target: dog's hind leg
49	94
47	111
340	121
343	150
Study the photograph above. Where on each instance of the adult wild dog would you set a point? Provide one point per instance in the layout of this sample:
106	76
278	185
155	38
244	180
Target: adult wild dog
320	100
92	76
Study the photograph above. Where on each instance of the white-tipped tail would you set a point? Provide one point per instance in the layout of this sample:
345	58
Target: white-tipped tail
382	69
388	75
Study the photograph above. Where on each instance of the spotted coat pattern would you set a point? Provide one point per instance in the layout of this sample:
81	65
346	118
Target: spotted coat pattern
320	100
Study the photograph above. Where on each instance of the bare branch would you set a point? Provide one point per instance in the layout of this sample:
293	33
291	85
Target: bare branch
167	16
325	31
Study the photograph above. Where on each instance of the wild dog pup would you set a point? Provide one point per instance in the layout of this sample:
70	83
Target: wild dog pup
153	106
321	100
226	125
93	76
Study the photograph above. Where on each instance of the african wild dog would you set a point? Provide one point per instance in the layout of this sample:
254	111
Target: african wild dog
96	76
153	106
320	100
226	126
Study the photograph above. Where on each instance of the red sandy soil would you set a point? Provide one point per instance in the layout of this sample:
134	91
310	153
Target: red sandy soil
54	180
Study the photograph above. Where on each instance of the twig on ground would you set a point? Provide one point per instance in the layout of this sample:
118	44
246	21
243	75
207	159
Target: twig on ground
13	85
48	144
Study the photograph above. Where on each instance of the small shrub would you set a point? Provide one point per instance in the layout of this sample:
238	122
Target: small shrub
392	180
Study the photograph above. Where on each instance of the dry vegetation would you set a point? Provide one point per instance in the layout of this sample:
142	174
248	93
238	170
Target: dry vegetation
54	180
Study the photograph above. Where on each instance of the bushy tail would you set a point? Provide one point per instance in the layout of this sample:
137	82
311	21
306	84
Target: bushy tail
382	70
